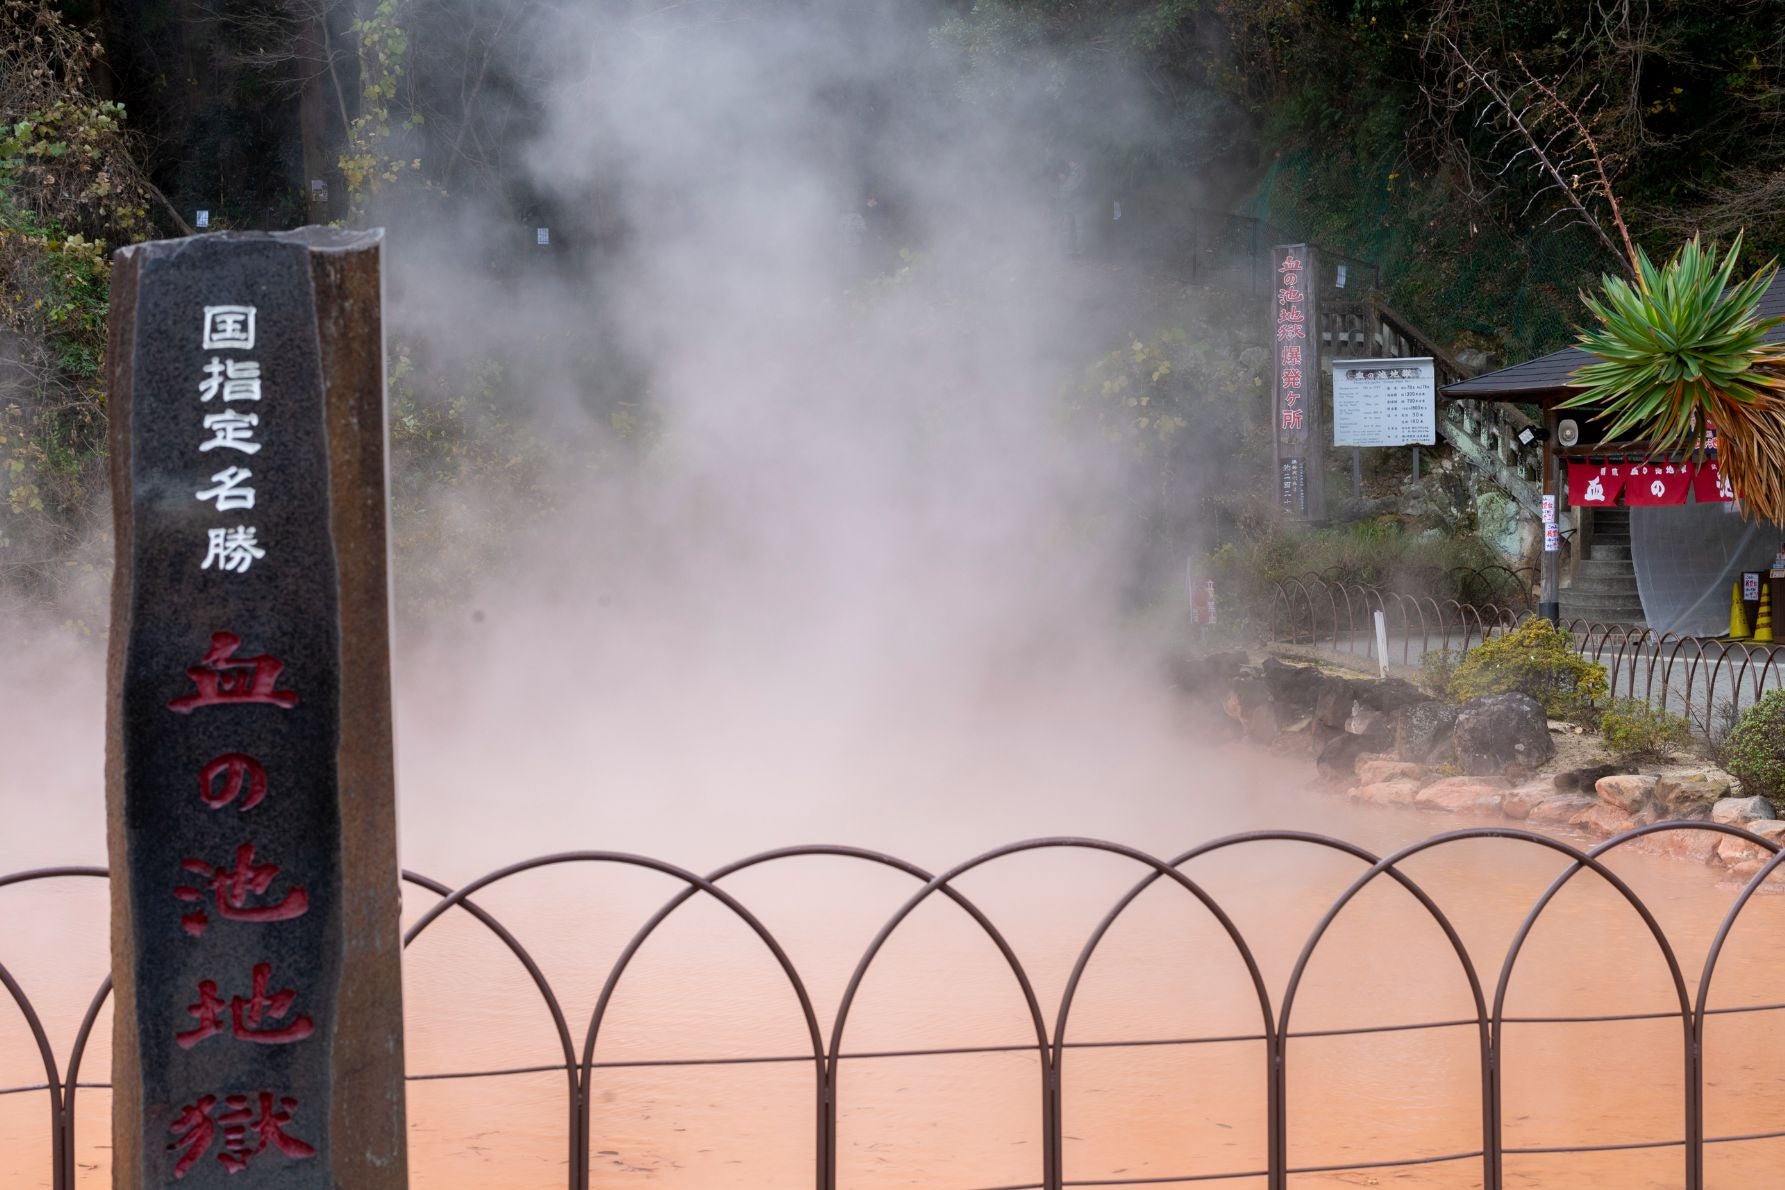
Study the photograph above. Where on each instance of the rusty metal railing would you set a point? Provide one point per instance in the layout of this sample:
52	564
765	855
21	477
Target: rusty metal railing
1707	681
1274	1035
1326	613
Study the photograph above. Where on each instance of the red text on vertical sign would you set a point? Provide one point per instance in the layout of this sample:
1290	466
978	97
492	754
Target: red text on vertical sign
239	772
249	1016
247	1132
232	889
223	679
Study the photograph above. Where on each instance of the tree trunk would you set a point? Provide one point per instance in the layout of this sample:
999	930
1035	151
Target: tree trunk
311	62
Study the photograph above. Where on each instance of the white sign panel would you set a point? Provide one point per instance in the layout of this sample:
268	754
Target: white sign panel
1384	402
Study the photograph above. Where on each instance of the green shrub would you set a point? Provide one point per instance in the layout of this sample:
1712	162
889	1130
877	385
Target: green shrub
1754	753
1634	731
1536	658
1437	670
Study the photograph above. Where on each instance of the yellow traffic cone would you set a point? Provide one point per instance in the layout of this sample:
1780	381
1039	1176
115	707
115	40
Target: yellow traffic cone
1763	619
1738	614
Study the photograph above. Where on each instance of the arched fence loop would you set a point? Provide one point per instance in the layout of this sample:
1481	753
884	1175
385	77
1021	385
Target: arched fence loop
60	1088
824	1053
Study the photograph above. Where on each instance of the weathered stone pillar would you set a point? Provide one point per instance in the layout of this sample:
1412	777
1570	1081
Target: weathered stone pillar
249	782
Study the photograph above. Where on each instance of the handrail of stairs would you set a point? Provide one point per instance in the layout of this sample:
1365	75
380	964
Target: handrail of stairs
1486	433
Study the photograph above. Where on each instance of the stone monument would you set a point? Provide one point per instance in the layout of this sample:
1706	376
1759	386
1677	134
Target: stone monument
258	1035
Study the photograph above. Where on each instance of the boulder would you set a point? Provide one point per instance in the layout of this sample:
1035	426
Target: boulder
1245	692
1603	819
1560	808
1338	759
1387	695
1584	780
1371	770
1626	792
1262	723
1464	795
1332	707
1293	686
1497	730
1387	793
1733	850
1745	870
1371	725
1692	846
1206	673
1741	810
1414	502
1297	740
1519	801
1693	789
1422	730
1368	721
1519	772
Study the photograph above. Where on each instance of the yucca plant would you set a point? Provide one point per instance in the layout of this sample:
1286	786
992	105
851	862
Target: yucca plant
1683	349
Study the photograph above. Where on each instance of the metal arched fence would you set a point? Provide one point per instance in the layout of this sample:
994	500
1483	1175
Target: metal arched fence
1707	681
1274	1035
1340	616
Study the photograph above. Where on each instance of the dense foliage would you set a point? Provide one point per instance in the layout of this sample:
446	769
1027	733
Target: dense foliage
1536	658
1406	159
1635	732
1377	128
1365	124
69	189
1754	751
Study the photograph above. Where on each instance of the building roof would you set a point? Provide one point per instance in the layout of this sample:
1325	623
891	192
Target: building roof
1529	381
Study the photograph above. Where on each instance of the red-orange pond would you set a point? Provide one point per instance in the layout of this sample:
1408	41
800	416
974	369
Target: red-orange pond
705	987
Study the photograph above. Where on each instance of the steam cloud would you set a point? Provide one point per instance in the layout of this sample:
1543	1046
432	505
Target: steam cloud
866	583
869	578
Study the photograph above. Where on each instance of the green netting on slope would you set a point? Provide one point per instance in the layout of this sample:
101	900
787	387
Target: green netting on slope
1453	276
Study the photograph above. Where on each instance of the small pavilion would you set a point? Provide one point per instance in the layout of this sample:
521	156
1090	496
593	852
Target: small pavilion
1655	554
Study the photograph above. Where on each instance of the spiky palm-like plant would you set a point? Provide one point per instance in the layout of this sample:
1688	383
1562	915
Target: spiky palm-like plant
1683	349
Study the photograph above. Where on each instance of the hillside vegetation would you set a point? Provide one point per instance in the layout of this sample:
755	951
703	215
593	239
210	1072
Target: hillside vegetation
1453	145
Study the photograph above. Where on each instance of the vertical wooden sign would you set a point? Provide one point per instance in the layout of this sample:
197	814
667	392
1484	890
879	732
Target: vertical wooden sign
1295	343
250	789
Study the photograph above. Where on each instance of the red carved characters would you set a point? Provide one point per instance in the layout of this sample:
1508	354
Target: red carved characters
222	679
237	770
246	1132
246	1137
231	889
246	1014
249	1125
209	1014
194	1130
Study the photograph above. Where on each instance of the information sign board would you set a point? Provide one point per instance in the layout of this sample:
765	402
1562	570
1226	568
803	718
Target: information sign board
1384	402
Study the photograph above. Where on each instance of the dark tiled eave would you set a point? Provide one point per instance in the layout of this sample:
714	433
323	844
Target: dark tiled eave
1545	380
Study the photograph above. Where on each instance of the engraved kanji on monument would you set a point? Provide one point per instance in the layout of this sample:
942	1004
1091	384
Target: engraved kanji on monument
255	944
